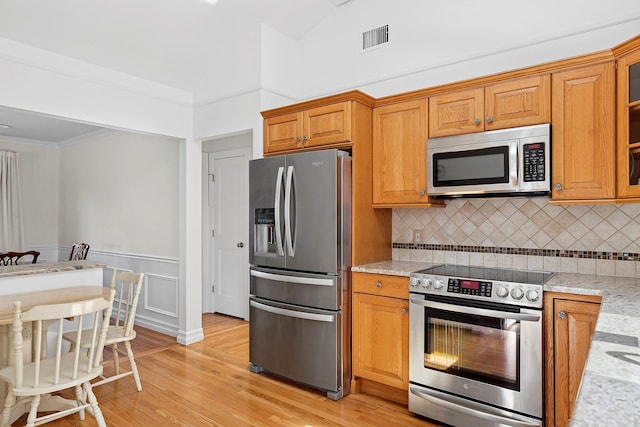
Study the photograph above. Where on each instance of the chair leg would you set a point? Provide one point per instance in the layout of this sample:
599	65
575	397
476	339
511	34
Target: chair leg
116	360
80	400
134	367
8	404
33	413
97	413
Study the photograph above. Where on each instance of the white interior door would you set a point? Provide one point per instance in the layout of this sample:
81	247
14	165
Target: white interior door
229	191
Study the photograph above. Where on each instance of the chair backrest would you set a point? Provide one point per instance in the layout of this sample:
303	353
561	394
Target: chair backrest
96	311
15	258
127	286
79	251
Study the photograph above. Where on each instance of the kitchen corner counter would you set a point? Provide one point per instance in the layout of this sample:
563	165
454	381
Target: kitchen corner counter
17	279
610	388
46	267
392	267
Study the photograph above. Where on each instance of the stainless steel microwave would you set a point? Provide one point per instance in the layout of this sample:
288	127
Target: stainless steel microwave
513	161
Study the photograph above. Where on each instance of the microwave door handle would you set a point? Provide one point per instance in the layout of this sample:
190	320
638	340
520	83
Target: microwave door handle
276	206
476	311
514	163
288	235
459	407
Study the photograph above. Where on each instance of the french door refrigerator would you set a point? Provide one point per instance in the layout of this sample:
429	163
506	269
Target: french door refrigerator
300	256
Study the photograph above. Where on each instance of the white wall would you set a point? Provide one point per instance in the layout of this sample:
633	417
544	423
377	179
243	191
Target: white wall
39	169
36	80
436	42
119	192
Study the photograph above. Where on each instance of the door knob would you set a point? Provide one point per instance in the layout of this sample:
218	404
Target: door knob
240	245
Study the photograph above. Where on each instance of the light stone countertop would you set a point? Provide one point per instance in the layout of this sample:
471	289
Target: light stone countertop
46	267
610	390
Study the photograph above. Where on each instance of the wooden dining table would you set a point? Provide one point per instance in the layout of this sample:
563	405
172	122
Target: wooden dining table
29	300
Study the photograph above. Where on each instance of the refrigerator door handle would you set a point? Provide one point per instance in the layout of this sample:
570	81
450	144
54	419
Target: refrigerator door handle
287	211
292	313
276	204
292	279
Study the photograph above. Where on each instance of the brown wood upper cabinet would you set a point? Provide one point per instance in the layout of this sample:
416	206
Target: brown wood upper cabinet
324	125
399	154
583	133
569	323
629	121
507	104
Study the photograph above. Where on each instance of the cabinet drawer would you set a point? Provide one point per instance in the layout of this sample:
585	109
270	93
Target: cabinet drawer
381	284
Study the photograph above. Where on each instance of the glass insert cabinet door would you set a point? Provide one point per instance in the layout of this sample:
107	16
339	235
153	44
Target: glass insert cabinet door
629	125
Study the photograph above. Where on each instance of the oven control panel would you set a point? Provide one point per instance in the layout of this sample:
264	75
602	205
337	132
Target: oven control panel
470	287
521	294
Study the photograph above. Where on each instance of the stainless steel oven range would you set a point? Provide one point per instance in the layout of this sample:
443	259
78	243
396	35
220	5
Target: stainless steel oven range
475	345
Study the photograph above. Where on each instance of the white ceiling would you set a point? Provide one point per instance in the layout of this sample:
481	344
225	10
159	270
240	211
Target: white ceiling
163	41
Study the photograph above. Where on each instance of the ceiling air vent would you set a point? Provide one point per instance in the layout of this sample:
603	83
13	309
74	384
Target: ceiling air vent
375	37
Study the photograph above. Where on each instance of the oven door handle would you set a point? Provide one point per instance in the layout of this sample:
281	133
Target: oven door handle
474	412
477	311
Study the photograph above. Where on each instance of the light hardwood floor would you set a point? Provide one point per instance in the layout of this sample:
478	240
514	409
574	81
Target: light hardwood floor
209	384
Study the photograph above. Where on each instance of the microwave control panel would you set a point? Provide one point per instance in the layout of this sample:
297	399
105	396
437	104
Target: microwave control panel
533	162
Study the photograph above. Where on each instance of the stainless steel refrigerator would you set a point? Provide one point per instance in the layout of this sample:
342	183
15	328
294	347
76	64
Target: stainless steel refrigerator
300	256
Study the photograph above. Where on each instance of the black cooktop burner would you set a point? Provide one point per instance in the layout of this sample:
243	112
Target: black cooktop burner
483	273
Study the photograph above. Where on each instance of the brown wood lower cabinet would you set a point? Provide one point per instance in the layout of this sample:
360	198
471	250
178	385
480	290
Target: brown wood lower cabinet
569	322
381	335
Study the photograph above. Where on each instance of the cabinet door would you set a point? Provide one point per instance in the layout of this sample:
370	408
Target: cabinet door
519	102
629	125
283	133
574	323
399	153
381	339
583	133
456	113
329	124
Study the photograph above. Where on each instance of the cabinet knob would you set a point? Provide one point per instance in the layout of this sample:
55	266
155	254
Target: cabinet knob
562	315
422	192
489	119
378	284
297	139
477	121
558	186
404	311
305	138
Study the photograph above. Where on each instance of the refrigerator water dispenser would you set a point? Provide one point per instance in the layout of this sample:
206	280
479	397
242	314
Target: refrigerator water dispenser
265	240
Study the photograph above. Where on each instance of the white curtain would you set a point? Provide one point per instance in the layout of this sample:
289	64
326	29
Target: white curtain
11	234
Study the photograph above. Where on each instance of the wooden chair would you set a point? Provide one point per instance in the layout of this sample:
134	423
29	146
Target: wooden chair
30	381
79	251
127	287
15	258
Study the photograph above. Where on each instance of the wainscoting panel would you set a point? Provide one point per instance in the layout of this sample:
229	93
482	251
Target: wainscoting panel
158	308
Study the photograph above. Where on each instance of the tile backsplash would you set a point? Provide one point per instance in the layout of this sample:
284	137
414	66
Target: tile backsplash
523	233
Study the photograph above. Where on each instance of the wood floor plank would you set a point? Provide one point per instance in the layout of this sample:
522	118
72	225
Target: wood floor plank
209	384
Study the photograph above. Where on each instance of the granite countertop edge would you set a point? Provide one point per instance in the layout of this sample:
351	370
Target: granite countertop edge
613	362
47	267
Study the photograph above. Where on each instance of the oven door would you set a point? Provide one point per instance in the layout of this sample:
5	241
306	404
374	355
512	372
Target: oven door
484	351
473	168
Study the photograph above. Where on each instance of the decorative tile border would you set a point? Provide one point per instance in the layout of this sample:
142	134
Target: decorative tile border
561	253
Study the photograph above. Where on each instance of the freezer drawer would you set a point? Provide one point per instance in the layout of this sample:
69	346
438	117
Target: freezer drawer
300	344
306	289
